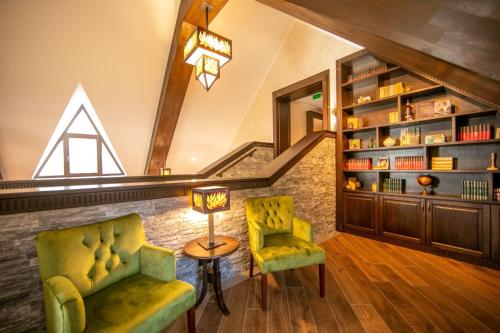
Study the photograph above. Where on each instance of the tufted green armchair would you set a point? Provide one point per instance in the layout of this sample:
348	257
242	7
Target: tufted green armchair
104	277
279	240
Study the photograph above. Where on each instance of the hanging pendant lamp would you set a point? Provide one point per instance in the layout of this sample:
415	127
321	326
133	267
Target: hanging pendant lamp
208	52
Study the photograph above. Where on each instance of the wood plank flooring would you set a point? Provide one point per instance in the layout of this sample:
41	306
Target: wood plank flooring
370	287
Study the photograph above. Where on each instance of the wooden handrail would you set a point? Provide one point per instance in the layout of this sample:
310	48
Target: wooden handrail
233	157
59	197
228	159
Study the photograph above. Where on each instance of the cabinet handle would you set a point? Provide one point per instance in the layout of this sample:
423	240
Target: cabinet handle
428	207
422	205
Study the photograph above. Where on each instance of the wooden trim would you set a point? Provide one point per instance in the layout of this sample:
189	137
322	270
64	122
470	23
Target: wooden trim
144	188
176	81
323	14
310	116
281	106
233	156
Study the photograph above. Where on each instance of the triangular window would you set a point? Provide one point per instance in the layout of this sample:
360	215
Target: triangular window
79	146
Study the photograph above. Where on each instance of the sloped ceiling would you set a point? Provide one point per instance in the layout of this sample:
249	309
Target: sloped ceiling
117	49
457	42
209	121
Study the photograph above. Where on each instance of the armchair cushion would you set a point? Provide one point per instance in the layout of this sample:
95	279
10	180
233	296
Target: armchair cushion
285	251
138	304
157	262
255	237
302	229
63	301
274	214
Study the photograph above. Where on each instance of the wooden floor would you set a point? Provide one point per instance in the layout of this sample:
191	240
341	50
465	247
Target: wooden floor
370	286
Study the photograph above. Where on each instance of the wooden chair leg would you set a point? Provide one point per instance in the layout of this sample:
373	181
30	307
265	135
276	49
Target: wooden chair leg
191	320
251	265
322	280
263	285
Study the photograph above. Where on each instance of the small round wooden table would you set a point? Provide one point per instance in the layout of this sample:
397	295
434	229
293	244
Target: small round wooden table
194	250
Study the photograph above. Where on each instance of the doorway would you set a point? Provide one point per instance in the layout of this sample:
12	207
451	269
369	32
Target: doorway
299	109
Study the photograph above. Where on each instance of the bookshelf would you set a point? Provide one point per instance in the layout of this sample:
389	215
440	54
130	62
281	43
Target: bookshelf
441	220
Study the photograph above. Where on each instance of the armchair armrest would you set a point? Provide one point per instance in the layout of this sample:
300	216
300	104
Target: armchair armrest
302	229
64	306
157	262
255	237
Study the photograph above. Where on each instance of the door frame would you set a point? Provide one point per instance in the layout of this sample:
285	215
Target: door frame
281	106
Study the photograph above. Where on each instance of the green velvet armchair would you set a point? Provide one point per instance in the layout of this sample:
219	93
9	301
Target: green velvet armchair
279	240
105	277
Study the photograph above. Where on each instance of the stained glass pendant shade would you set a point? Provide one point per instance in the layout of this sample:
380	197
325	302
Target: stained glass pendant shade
207	71
208	52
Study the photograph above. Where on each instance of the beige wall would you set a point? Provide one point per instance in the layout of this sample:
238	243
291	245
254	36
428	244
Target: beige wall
209	121
306	51
116	49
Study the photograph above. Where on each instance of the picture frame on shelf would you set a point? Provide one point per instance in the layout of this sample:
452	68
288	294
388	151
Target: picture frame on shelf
382	164
443	107
354	144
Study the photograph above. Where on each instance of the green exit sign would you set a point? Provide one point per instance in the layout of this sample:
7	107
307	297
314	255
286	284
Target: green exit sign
316	96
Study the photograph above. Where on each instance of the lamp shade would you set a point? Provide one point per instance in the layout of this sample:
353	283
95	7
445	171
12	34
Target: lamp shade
205	42
210	199
207	71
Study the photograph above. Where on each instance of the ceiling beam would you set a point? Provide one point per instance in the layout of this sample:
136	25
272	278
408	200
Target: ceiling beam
415	34
176	81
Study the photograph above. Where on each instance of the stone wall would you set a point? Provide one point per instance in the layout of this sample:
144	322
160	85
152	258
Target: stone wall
249	165
168	223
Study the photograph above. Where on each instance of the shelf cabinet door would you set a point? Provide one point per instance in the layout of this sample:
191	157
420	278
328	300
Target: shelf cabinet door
459	227
495	232
360	212
402	218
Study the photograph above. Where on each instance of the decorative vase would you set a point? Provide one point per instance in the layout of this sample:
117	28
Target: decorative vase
425	181
389	142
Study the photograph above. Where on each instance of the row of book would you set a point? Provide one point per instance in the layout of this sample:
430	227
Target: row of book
474	132
474	190
409	163
391	90
366	72
393	185
359	164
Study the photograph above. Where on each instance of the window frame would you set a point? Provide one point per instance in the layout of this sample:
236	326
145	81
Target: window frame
64	138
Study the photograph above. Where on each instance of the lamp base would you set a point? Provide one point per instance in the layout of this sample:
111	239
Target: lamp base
209	246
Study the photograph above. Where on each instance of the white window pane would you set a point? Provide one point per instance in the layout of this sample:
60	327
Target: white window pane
82	155
108	164
55	163
82	125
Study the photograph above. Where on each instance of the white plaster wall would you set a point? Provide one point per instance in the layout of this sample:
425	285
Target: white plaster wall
209	120
117	49
306	51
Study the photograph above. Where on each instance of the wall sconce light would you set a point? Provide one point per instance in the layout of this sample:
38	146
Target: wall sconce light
209	200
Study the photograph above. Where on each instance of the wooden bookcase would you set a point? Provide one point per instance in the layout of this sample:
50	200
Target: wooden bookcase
442	222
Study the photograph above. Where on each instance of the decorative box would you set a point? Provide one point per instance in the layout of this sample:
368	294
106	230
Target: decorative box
442	163
434	138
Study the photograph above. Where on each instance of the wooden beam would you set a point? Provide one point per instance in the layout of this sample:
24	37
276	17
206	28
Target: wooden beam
176	81
403	46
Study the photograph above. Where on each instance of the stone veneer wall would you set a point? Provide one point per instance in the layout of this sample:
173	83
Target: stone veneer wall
249	166
168	223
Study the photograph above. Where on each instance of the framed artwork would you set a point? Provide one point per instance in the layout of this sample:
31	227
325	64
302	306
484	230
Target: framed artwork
382	164
354	144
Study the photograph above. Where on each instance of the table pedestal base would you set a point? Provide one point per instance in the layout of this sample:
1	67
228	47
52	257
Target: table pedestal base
214	277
